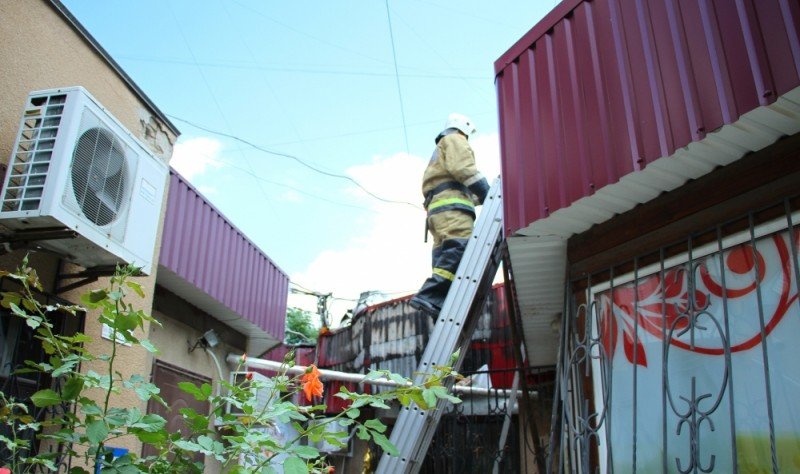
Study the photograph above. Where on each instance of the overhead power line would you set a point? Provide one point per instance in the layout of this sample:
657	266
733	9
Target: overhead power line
252	65
397	78
295	158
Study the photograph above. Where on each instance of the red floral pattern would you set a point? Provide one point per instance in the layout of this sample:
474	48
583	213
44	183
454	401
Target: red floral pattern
660	308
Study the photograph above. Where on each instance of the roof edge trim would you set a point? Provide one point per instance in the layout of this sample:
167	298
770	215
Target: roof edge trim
539	29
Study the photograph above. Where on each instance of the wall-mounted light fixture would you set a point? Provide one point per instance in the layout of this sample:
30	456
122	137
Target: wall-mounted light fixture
209	339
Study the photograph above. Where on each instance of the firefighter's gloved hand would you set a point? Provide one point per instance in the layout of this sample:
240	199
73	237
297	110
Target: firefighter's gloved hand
480	189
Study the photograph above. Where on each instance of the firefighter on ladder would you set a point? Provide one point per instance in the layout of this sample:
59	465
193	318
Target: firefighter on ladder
452	186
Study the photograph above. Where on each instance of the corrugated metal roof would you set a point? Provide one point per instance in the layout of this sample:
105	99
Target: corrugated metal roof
606	104
208	261
600	90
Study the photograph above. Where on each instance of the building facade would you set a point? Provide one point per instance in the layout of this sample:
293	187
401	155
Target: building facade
205	274
650	154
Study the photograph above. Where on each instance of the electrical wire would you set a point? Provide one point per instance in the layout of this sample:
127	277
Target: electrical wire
303	33
284	185
214	98
305	70
397	77
295	158
444	60
261	74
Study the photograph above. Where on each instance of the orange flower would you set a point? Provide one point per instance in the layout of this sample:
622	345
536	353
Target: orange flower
331	469
312	386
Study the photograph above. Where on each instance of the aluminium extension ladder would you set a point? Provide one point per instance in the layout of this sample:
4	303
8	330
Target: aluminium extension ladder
414	429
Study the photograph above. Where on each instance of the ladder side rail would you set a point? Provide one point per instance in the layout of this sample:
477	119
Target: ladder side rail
415	428
412	419
466	285
431	417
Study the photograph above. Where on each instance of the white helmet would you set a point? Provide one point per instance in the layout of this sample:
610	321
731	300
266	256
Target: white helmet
461	123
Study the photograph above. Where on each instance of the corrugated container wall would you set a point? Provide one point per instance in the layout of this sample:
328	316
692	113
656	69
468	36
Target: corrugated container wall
201	246
392	336
599	89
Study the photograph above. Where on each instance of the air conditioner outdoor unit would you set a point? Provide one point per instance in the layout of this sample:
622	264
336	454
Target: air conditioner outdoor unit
75	166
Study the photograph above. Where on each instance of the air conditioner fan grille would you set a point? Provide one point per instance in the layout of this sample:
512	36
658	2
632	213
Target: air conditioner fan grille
99	175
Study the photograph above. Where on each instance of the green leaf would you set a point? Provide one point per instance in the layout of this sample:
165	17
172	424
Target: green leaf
373	375
10	298
66	367
417	397
188	446
135	287
442	392
404	399
151	423
45	398
430	397
454	358
18	311
378	403
89	407
399	379
126	322
94	296
193	390
151	438
385	444
149	346
72	388
33	321
206	389
96	431
362	433
375	425
307	452
30	305
353	413
294	465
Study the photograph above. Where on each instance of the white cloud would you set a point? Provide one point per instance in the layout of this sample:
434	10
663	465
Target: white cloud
291	196
389	253
487	154
207	190
194	156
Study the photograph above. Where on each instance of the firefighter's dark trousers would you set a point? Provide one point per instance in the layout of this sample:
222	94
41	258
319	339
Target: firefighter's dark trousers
451	231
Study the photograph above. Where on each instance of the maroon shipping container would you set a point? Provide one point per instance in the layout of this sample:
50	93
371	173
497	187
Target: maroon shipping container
601	89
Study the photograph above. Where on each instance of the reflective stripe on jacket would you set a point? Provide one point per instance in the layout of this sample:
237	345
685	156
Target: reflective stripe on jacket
452	160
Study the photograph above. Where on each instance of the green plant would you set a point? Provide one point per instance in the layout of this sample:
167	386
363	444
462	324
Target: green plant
242	444
299	327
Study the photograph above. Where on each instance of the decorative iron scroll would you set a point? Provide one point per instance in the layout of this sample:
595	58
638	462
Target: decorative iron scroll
670	339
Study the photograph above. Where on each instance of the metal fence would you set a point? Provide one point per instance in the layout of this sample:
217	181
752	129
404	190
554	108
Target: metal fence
684	359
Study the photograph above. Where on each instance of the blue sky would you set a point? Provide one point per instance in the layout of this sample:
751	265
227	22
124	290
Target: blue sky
316	80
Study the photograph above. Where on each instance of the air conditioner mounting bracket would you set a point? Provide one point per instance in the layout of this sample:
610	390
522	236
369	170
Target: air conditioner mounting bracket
27	238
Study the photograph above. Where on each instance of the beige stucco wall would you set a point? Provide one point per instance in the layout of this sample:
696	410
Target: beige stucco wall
39	49
174	338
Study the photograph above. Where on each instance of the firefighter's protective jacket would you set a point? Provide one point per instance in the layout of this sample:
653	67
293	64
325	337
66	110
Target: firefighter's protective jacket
453	162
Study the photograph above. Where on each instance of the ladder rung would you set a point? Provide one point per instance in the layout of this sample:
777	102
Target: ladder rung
414	428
